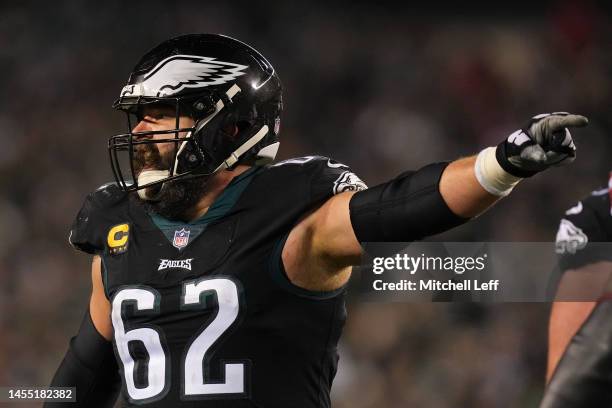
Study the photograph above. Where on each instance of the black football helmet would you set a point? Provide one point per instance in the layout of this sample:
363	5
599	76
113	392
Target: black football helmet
215	79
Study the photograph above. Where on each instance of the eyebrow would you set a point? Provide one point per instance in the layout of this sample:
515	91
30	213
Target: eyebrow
151	110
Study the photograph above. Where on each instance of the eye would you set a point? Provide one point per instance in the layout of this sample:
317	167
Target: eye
153	114
158	114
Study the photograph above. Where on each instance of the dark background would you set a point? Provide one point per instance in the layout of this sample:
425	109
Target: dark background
382	88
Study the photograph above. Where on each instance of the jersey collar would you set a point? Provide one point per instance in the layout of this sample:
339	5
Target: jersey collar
219	208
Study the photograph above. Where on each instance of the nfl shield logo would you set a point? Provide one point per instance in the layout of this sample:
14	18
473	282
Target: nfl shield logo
181	238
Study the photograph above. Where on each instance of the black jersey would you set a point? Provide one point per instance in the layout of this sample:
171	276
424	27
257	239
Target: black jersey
582	376
203	313
582	227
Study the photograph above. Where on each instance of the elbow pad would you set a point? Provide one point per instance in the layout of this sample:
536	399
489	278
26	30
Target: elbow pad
407	208
90	367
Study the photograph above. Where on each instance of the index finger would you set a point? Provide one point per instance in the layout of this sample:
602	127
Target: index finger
559	122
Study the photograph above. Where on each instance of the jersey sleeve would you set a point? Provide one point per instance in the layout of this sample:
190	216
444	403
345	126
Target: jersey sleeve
330	177
89	229
582	236
318	178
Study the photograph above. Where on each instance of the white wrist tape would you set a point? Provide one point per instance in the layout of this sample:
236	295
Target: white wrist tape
491	176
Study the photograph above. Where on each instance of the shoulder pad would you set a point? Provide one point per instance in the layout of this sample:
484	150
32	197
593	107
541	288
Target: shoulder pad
582	227
107	194
99	210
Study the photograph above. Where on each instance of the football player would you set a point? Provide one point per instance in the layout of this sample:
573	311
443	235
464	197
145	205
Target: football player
218	277
579	369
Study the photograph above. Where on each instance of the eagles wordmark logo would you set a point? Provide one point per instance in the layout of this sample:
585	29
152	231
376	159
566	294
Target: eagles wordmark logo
175	263
178	72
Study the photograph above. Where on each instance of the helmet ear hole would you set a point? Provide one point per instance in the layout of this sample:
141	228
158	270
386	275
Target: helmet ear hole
231	130
235	130
242	125
202	107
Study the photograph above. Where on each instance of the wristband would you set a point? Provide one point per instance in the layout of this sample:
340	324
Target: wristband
491	176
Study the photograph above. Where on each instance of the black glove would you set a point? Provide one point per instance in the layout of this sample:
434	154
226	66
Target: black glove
545	141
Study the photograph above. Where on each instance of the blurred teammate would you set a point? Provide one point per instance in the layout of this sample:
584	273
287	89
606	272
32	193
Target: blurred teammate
218	277
580	332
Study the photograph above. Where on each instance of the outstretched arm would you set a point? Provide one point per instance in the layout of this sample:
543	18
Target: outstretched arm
326	240
321	249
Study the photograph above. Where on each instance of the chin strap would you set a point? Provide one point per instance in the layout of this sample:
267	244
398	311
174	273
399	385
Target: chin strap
245	147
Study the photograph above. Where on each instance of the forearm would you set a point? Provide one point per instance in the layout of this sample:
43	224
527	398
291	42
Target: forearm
407	208
425	202
461	190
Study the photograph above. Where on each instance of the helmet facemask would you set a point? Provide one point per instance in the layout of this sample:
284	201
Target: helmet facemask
132	152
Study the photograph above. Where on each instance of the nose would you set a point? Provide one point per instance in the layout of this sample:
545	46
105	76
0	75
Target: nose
142	126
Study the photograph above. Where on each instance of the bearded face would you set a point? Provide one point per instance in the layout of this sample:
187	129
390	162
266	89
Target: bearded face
172	199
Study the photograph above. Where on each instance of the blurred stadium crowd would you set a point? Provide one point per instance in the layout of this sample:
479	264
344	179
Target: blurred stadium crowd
381	90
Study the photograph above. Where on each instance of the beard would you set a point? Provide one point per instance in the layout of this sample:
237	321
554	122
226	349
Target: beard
175	198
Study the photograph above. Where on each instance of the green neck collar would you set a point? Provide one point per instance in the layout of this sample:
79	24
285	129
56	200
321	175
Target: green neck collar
217	210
